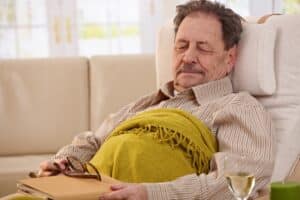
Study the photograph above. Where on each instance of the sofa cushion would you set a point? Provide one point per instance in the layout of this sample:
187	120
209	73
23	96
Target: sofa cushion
43	104
117	81
14	168
254	70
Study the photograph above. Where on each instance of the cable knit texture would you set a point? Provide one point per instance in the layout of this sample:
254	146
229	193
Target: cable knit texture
240	123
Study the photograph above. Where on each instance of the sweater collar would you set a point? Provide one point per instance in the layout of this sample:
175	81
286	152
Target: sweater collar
203	92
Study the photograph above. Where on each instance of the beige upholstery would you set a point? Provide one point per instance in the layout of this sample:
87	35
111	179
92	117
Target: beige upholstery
284	105
117	81
43	104
255	61
13	168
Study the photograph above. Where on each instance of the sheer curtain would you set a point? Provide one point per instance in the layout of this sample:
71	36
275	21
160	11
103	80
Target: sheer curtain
47	28
23	29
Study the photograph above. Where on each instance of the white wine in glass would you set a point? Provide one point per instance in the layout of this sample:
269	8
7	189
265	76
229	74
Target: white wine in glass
240	181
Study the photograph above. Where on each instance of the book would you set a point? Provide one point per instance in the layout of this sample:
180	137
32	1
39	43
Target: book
63	187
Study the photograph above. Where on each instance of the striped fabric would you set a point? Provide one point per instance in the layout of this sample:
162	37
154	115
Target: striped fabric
241	124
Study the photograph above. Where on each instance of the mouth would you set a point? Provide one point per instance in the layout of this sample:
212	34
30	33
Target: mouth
190	71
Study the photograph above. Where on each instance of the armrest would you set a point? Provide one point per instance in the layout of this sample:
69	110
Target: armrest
294	174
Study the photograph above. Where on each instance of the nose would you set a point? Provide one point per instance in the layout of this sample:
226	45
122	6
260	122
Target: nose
190	56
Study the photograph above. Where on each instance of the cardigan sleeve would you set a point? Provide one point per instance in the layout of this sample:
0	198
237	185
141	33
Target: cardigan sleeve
244	128
85	145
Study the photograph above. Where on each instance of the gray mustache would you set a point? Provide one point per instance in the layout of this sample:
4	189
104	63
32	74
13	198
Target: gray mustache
187	68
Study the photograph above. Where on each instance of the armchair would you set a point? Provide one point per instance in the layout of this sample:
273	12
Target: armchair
268	66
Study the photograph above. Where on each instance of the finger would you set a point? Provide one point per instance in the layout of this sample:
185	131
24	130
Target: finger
62	163
53	165
47	166
45	173
118	195
118	187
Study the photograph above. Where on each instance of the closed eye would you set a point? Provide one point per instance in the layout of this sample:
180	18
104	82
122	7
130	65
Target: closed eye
204	47
205	50
181	47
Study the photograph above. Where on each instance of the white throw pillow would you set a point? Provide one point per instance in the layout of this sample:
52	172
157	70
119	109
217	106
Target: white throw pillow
284	105
254	69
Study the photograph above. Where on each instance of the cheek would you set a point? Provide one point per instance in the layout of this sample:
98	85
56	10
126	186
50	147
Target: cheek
176	61
218	70
208	63
213	63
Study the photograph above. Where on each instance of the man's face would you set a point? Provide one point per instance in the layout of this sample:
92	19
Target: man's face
199	55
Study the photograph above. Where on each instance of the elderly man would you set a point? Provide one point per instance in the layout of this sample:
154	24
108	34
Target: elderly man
204	54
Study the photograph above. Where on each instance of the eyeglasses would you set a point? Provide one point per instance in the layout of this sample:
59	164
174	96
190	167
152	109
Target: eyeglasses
74	168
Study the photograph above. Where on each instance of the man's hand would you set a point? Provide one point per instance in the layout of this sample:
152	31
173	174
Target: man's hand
47	168
126	191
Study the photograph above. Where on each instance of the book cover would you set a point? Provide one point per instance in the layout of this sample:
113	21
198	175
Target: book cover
62	187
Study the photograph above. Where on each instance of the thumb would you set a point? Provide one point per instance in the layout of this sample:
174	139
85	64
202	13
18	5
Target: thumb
62	163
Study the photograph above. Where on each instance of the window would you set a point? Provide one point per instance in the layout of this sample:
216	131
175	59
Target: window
240	6
291	6
41	28
45	28
108	27
23	28
259	7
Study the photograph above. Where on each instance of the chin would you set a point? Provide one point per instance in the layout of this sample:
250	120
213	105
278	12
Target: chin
188	84
190	79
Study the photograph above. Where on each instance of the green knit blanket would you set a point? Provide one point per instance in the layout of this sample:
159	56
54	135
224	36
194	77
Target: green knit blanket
155	146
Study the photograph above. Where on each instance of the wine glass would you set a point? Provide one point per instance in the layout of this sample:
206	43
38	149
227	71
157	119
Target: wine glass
239	178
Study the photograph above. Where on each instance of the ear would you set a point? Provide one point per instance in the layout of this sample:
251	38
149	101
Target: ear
231	58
